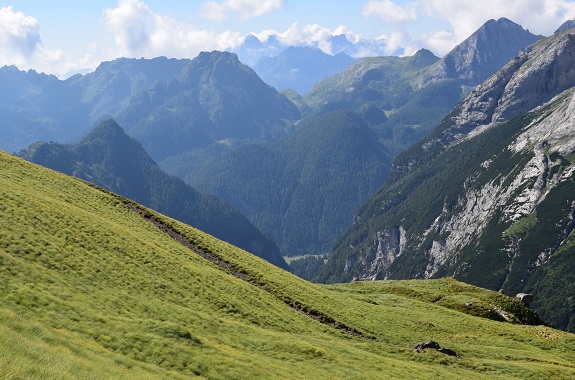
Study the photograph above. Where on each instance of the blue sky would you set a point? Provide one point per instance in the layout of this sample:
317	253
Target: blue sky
60	37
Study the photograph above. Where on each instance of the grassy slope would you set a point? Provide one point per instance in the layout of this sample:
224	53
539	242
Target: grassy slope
90	289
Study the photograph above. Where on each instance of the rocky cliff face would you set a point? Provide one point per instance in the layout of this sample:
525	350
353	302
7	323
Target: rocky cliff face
490	197
527	81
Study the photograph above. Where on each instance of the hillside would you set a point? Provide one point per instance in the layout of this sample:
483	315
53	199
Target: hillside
96	286
488	197
109	158
301	191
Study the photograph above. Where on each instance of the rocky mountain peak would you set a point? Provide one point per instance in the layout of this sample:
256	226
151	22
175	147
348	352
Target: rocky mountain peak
207	63
483	53
566	26
423	58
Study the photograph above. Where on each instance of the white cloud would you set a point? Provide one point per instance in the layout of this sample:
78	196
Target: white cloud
389	11
309	35
540	16
19	35
218	11
21	44
131	22
439	42
464	17
139	32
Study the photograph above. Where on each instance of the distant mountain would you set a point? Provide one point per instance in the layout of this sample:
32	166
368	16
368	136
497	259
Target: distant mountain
379	89
41	107
214	101
27	107
110	87
299	68
481	54
111	159
489	196
302	191
162	102
253	50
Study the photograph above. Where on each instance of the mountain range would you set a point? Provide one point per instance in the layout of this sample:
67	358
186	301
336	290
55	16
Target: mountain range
254	50
305	202
488	196
484	195
213	96
198	117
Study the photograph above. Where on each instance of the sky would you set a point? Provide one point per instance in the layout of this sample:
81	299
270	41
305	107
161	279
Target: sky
62	37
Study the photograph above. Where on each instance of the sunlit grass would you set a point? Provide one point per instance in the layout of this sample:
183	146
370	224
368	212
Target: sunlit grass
90	289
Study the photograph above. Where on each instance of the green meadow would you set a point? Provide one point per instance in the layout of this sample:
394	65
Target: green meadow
91	288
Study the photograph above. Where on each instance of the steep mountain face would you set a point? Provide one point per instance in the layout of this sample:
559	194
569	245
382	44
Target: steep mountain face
489	197
215	100
299	68
111	159
482	54
302	191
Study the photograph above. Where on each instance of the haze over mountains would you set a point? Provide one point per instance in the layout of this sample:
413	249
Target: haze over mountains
300	68
253	50
480	196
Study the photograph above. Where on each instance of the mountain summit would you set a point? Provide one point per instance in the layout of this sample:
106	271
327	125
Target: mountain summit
214	100
482	53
